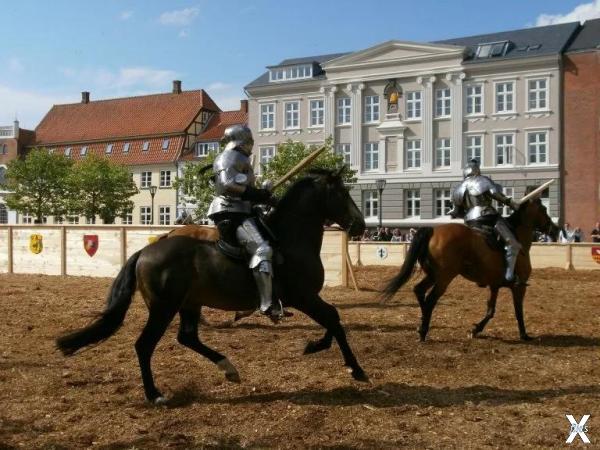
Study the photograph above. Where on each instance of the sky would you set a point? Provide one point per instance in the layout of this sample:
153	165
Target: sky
53	50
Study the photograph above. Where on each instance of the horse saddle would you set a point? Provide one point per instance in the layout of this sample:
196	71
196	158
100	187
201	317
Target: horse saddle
493	239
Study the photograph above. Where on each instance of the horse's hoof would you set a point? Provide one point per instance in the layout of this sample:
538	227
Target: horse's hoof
474	334
360	375
231	373
234	377
526	337
160	401
312	347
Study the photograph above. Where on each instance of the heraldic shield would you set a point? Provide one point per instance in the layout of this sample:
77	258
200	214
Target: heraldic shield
36	243
90	243
596	254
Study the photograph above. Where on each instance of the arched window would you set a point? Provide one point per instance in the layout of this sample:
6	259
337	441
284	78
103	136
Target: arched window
3	214
2	172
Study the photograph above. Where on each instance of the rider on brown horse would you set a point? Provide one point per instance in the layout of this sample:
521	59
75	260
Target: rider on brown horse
472	201
231	210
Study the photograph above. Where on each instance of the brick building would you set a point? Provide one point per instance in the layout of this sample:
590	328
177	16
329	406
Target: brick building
581	157
13	141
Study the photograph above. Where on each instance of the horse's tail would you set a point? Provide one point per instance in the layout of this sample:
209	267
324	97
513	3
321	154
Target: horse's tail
418	250
118	302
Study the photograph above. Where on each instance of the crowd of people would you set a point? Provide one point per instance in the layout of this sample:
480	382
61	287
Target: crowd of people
384	234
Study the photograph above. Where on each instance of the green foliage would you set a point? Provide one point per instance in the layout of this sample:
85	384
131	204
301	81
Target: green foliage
38	184
101	188
291	153
195	184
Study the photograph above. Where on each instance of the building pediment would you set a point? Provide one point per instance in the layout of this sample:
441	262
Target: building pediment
395	52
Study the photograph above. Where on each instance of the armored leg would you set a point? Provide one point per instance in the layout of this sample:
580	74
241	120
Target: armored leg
512	247
261	264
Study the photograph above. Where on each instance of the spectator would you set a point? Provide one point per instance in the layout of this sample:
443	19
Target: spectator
410	235
596	233
366	236
385	235
396	236
577	235
566	234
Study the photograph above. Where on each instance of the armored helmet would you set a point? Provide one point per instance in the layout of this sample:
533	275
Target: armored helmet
238	136
471	169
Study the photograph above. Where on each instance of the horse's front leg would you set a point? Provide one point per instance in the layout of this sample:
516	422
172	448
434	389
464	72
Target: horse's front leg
327	316
491	309
518	293
319	345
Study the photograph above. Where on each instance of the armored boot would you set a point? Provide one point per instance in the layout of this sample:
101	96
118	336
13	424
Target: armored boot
512	248
264	282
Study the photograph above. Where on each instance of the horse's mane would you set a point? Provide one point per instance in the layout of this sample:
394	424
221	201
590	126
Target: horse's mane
516	218
300	186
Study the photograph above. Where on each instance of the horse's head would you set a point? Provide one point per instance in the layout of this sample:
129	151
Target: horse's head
337	205
537	214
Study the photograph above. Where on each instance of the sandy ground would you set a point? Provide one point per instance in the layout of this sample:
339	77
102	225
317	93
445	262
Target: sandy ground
451	392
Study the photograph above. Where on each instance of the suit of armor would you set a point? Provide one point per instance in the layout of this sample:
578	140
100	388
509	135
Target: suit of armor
231	210
473	201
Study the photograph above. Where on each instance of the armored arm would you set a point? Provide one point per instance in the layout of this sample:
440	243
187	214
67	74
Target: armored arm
496	194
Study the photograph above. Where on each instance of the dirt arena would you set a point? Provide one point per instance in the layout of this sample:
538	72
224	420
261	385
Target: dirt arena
451	391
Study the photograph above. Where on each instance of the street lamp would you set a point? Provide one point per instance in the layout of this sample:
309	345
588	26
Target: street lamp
380	187
152	194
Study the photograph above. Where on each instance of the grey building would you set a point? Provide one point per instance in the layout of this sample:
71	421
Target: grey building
413	113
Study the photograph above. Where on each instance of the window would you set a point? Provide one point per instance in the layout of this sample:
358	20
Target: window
412	200
503	209
90	220
83	151
317	113
291	73
146	180
3	214
474	148
165	144
126	147
538	94
266	155
443	203
3	149
165	178
164	215
475	99
73	220
442	102
145	146
204	148
292	114
370	203
145	215
68	152
2	175
3	152
504	149
267	116
442	152
345	151
127	218
413	105
491	49
537	147
27	218
344	109
505	97
109	148
413	154
372	108
371	156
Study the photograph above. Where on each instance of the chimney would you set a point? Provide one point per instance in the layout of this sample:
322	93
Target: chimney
85	97
244	106
176	87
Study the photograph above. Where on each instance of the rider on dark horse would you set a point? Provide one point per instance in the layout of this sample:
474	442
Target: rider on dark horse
472	201
231	210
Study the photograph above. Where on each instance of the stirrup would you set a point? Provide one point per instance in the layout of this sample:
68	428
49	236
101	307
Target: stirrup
274	312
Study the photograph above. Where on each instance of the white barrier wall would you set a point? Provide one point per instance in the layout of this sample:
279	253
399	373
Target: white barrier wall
101	250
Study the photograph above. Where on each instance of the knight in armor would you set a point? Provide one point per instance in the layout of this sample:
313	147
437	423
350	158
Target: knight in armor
231	210
473	201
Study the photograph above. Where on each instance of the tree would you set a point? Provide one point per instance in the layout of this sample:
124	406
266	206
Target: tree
196	182
291	153
38	184
101	188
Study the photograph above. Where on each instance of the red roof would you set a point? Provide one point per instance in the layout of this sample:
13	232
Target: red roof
136	154
216	127
128	117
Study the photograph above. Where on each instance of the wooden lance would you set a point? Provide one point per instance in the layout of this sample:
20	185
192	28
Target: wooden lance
535	192
298	167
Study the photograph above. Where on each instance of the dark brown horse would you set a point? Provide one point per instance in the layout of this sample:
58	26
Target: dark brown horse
182	274
447	251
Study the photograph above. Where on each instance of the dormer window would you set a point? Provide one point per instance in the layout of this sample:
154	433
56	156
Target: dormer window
68	152
109	148
492	49
146	146
83	151
165	144
291	73
126	147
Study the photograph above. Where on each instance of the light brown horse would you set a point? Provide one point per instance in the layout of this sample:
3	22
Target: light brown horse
447	251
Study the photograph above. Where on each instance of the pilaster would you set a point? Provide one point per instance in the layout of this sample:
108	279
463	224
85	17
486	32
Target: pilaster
457	120
356	119
427	124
